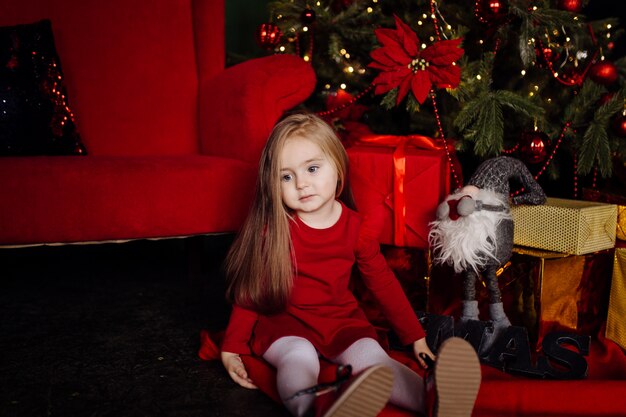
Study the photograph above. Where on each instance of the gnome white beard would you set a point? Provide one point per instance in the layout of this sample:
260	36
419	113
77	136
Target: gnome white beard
470	241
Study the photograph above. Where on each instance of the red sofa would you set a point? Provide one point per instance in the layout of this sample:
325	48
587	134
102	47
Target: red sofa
173	138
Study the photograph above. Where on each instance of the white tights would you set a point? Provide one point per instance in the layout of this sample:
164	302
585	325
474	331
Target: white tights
298	367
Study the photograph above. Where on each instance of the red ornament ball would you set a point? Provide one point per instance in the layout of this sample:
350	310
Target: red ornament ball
574	6
619	125
490	11
534	146
308	16
268	35
603	72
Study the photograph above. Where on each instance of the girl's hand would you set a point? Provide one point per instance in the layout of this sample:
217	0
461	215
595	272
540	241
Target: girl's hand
237	371
419	347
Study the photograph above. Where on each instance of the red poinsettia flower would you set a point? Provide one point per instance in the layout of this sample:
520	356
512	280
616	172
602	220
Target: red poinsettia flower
406	66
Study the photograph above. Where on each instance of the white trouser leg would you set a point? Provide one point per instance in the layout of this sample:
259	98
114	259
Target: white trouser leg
297	367
408	386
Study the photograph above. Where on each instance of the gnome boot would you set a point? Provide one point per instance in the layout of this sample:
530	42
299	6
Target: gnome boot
452	382
470	311
500	323
364	395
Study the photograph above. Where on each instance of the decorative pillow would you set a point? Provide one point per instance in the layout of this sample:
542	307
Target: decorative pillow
35	117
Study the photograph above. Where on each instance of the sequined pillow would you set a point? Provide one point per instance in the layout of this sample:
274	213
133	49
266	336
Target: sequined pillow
35	116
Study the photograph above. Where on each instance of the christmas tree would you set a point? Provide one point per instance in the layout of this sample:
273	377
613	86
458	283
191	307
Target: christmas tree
537	80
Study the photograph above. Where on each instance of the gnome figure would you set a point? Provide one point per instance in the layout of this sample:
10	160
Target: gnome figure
474	232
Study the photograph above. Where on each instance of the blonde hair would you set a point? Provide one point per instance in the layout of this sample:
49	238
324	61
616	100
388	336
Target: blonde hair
259	266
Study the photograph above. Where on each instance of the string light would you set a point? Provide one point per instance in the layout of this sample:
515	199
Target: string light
457	181
348	104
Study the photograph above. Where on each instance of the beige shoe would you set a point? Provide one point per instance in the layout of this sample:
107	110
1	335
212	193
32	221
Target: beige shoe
365	396
457	378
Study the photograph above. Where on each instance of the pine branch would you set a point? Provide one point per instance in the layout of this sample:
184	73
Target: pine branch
482	122
595	147
525	44
535	23
556	18
587	97
521	105
469	113
412	105
471	85
490	128
608	109
389	100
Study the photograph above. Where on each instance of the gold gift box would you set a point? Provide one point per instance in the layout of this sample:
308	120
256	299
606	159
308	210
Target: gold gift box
542	291
550	291
616	320
567	226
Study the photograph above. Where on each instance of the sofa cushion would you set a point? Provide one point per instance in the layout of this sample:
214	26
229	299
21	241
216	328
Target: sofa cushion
35	117
99	198
130	70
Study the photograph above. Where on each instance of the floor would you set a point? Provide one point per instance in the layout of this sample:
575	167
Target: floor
112	330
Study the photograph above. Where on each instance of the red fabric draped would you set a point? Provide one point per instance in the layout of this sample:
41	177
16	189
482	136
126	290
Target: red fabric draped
602	393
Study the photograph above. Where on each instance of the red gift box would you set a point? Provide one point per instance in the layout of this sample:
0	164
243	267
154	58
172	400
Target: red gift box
397	188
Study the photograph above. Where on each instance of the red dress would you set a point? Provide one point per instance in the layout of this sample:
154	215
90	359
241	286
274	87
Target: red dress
322	308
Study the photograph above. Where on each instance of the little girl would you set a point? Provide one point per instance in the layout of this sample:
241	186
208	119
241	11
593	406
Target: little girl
289	271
